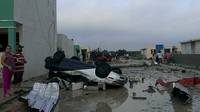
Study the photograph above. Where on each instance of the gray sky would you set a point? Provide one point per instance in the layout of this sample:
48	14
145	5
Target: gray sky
129	24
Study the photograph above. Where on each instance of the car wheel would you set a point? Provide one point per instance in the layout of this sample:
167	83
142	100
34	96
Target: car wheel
102	69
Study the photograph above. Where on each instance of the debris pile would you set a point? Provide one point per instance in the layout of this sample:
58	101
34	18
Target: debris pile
181	92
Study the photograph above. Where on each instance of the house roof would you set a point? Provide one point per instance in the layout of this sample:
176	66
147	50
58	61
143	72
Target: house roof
190	41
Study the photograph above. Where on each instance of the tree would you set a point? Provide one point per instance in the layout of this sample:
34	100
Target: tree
121	52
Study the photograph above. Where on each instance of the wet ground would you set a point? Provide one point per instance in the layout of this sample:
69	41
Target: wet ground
120	99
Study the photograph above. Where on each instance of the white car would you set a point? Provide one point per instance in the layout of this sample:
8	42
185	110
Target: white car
112	79
74	70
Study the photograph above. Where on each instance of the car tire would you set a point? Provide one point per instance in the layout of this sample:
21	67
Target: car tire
49	63
102	69
58	56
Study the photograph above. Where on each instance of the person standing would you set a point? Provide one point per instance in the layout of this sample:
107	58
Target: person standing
8	62
19	63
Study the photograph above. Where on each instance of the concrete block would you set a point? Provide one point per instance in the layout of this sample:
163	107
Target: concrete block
76	86
102	86
91	88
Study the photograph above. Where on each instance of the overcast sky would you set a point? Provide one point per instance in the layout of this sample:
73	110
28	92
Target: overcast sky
128	24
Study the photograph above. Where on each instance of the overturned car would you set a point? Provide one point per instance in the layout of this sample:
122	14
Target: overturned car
74	70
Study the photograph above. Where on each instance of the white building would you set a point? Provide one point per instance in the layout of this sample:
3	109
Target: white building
191	47
66	44
33	24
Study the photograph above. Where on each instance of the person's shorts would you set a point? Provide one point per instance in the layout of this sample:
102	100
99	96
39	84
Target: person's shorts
18	77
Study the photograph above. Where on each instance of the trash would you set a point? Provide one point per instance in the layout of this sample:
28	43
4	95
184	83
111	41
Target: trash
161	82
147	63
155	62
62	83
76	86
43	97
139	98
134	80
150	89
161	88
131	83
143	79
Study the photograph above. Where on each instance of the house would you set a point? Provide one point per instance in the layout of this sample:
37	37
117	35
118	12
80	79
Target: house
31	23
191	47
147	52
83	52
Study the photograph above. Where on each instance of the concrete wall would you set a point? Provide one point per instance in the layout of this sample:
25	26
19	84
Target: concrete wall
197	47
65	44
186	48
191	47
187	59
37	19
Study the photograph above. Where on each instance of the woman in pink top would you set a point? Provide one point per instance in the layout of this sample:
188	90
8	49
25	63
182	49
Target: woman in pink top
8	62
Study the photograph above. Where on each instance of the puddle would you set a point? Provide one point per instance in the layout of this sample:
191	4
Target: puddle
93	101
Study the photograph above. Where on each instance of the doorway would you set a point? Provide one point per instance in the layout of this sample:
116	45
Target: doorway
4	38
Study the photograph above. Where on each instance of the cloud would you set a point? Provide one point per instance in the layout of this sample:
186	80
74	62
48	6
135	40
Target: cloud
130	24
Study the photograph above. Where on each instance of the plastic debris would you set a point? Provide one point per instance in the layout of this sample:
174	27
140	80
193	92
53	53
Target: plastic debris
43	97
150	89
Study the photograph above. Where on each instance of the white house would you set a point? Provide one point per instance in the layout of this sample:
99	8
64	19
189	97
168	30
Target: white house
31	23
191	47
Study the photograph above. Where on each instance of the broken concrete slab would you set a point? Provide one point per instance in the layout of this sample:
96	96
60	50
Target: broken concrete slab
76	86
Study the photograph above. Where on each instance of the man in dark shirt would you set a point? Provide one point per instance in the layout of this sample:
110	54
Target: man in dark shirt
19	70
